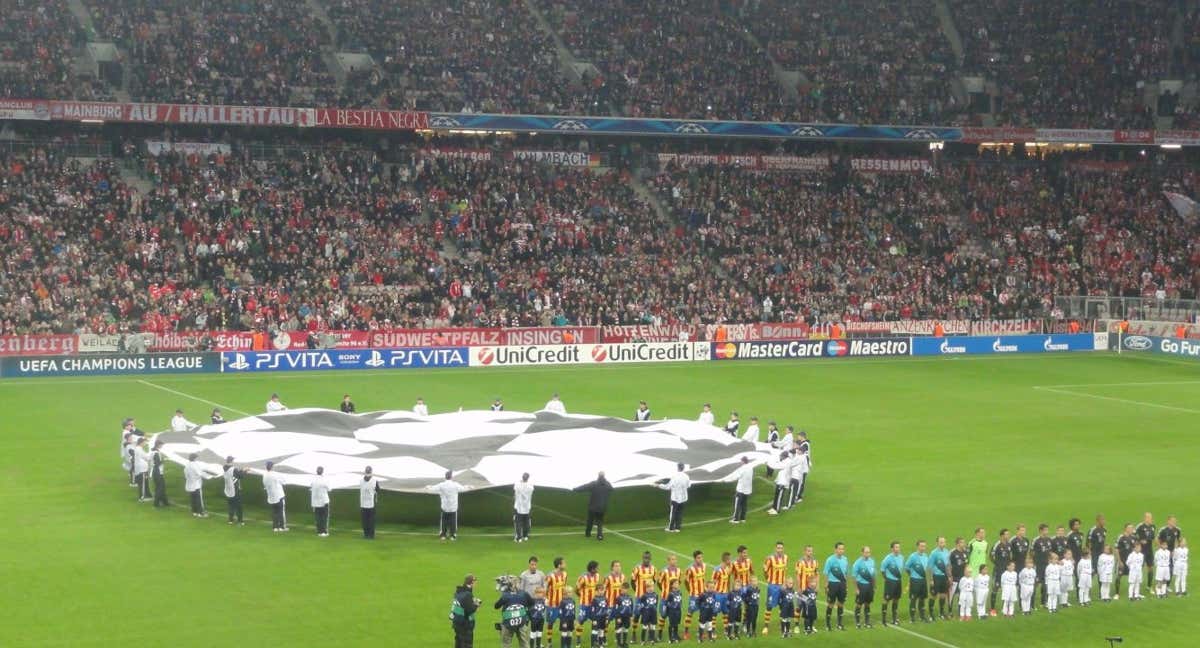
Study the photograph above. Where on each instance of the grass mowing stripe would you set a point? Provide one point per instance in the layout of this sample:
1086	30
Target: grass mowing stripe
195	398
1123	384
1117	400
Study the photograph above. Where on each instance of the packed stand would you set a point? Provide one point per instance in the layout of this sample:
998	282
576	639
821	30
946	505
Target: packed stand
217	52
1091	75
863	61
545	245
38	40
675	58
971	240
479	56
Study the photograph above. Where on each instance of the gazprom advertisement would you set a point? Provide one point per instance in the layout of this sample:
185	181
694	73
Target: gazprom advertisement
1003	344
414	358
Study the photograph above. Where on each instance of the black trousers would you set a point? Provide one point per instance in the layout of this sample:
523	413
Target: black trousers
235	507
160	491
464	636
780	497
793	492
131	481
596	518
368	521
521	525
143	485
278	515
197	497
803	482
739	506
675	520
449	525
321	513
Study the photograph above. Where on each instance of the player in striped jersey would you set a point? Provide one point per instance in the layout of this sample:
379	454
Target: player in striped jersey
556	583
774	571
743	567
808	572
696	577
585	587
642	578
666	576
613	582
722	577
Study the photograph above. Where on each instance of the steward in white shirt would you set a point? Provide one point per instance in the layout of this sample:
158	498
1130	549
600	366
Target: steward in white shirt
751	433
179	422
193	483
320	502
420	409
744	476
522	505
706	415
233	477
368	492
274	405
555	405
275	497
678	486
448	491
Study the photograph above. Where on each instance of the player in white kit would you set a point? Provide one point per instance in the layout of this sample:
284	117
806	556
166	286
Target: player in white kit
966	595
1162	569
1179	559
1084	571
1008	589
1027	579
1136	564
1053	579
1067	579
983	584
1105	566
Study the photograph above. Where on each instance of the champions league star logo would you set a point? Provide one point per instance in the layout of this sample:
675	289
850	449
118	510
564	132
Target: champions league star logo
408	452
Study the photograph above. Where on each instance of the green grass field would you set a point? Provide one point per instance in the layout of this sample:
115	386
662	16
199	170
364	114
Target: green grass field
904	449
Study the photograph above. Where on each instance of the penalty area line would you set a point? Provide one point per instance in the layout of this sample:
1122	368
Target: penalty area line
1117	400
195	398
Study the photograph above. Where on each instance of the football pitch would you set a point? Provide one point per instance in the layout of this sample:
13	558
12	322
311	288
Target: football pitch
903	449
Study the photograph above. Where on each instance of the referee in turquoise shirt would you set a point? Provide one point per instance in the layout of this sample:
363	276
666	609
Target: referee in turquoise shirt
917	566
864	584
836	569
892	568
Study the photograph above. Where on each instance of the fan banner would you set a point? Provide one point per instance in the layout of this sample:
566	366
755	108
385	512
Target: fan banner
483	449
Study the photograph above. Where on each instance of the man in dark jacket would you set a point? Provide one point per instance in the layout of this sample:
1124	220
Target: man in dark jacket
462	613
514	605
597	504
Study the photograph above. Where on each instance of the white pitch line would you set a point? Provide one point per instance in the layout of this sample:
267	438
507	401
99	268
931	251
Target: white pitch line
921	636
195	398
1118	400
1122	384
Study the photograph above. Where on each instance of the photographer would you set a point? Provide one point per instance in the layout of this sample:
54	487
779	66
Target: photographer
514	604
462	613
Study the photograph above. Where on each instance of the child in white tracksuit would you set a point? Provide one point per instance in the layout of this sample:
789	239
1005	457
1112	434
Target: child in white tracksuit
1008	589
1067	580
1105	565
1136	564
966	595
1179	559
1027	579
1053	576
983	584
1162	570
1085	578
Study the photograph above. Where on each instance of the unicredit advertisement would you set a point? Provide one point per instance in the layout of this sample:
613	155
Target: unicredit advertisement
990	344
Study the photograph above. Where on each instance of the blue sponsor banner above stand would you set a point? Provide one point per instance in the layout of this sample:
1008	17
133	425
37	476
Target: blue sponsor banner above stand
109	365
1003	344
326	359
684	127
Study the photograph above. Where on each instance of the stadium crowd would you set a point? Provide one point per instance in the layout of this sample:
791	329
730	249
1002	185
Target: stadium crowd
857	61
338	239
1092	76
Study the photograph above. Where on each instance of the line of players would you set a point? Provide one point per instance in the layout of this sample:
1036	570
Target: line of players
649	606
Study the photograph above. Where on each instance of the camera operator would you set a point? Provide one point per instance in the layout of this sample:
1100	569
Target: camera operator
514	604
462	613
